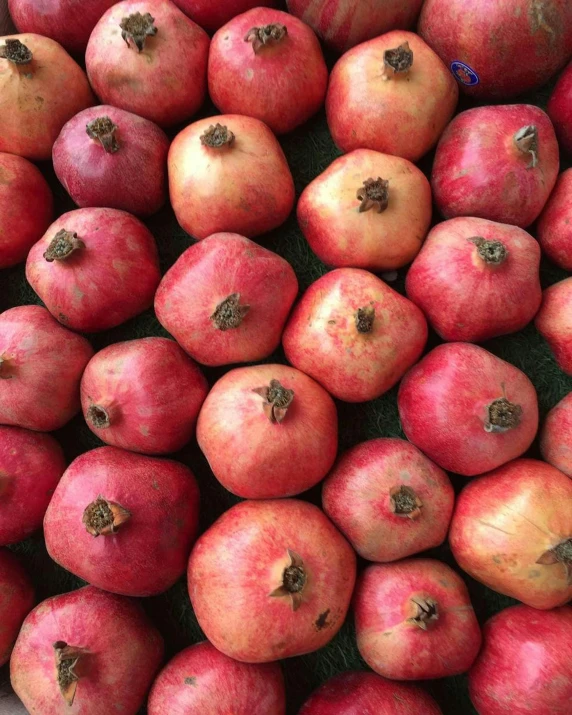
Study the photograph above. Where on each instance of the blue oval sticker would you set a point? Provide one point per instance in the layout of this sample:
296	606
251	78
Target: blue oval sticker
464	74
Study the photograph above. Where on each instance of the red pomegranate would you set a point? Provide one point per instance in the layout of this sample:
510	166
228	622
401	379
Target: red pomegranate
345	23
268	431
150	59
95	268
476	279
389	500
392	94
556	436
41	364
554	227
366	210
285	591
226	300
499	49
31	465
512	530
498	163
41	88
146	509
354	334
414	620
467	409
237	169
143	395
212	15
269	65
560	109
16	601
554	322
85	652
219	685
26	208
105	156
524	667
365	693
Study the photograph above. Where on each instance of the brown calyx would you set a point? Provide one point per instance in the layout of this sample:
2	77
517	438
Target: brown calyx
265	35
492	252
526	141
98	416
364	318
103	517
559	554
217	136
229	313
6	368
294	578
136	28
16	52
67	661
502	415
103	130
374	194
399	59
277	400
62	245
426	612
404	502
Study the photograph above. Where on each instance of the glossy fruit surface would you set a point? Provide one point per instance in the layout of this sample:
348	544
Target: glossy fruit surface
560	109
16	601
554	322
556	436
554	227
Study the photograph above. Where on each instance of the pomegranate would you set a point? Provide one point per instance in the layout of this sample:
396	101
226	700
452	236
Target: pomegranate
366	210
105	156
498	163
95	268
467	409
554	322
146	509
268	431
290	580
211	15
392	94
475	279
556	436
226	300
525	666
69	22
219	685
354	334
41	88
150	59
85	652
389	500
345	23
31	465
26	208
498	49
365	693
143	395
269	65
41	364
414	620
554	228
512	530
229	176
560	109
16	601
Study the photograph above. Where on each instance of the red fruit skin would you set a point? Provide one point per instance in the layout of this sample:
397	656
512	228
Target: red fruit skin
560	109
556	436
504	522
124	651
283	84
221	685
345	23
211	15
106	282
444	408
365	693
478	170
466	297
402	114
69	22
554	227
247	186
149	552
204	276
341	235
524	667
322	340
554	323
231	597
357	498
257	458
38	98
397	648
133	178
150	392
31	465
167	81
16	601
26	208
42	364
513	46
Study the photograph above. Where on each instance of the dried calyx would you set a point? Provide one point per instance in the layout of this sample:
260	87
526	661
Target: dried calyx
492	252
399	59
277	400
103	517
425	612
502	416
98	417
560	554
404	502
294	579
103	130
374	194
229	313
265	35
67	660
217	136
62	245
526	141
136	28
364	319
16	52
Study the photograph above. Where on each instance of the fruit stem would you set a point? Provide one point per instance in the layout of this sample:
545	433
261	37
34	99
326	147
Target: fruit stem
277	400
67	658
265	35
492	252
98	416
103	130
294	579
526	141
399	60
426	612
502	416
229	313
16	52
103	517
364	319
217	136
405	502
373	194
136	28
62	245
559	554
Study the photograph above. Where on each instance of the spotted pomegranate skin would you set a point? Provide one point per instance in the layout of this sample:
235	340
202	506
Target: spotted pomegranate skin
554	323
554	227
16	601
560	109
556	436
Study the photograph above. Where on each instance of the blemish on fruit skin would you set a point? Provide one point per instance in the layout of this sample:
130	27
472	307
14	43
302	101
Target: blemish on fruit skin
191	681
322	620
249	74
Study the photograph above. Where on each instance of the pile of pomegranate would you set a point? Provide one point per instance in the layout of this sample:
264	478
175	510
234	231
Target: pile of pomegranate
208	331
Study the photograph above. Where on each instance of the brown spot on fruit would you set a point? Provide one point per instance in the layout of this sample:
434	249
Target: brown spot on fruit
322	620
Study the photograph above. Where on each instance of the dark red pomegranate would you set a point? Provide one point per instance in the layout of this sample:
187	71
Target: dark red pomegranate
556	436
16	601
212	15
560	109
554	322
554	227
